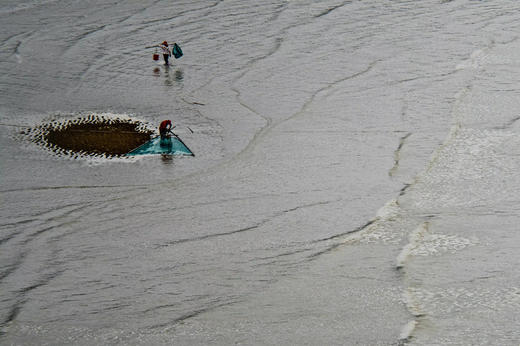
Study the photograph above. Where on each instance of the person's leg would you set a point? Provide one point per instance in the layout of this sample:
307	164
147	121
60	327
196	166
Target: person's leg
165	58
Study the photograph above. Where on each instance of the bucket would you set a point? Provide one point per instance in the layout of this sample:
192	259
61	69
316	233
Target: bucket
155	56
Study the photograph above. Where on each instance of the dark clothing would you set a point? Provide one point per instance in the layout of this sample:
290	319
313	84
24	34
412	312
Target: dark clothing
166	56
163	132
165	127
166	142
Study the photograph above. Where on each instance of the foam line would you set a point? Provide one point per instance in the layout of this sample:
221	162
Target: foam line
414	239
406	332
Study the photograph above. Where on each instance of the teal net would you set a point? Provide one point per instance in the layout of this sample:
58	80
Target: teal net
169	145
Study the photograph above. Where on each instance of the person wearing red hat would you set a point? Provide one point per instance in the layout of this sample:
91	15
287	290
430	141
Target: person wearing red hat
166	51
165	127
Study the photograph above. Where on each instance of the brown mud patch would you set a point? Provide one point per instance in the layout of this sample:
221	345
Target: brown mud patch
92	136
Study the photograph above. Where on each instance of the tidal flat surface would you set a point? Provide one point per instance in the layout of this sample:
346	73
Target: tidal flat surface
355	179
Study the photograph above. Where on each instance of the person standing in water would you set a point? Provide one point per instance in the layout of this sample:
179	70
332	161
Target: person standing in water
165	127
166	51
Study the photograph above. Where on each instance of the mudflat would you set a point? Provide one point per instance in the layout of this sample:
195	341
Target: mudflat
111	137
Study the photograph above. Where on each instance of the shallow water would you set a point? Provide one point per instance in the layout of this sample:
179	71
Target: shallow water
354	179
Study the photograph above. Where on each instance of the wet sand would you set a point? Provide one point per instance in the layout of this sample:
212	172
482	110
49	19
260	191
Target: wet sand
107	137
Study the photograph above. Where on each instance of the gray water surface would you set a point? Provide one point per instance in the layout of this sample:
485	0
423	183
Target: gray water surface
355	179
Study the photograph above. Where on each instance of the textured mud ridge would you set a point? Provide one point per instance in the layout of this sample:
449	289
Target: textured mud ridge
92	136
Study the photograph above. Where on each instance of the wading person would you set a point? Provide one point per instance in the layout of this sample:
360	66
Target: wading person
166	51
165	128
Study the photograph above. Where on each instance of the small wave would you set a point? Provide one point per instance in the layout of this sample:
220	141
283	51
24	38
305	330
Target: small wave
26	6
476	59
406	332
414	240
389	211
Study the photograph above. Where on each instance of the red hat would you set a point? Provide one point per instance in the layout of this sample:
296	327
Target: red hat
165	43
163	124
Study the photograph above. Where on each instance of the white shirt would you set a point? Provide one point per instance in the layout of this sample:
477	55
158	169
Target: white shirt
165	49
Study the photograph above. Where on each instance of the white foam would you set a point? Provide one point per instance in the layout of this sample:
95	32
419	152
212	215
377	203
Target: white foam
474	62
403	255
440	243
414	239
407	330
389	211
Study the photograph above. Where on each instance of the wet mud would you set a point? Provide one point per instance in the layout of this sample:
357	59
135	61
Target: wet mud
94	136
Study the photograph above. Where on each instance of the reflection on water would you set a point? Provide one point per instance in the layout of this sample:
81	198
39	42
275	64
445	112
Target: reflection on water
167	79
167	159
178	75
166	143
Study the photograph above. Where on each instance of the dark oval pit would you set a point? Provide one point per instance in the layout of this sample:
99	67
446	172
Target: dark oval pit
93	136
